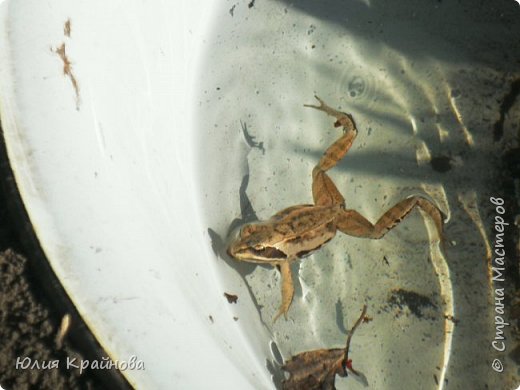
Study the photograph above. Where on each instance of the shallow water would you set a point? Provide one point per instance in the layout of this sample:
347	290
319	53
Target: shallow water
424	123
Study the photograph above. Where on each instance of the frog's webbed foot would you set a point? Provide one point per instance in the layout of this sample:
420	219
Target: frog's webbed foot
342	119
287	290
354	224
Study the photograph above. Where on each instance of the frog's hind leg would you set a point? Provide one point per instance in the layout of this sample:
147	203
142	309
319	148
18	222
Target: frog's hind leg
287	290
324	191
354	224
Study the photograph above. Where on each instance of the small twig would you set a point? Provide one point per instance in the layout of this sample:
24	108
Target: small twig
63	330
349	337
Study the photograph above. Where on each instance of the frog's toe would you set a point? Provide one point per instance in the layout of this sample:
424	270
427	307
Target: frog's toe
281	311
284	307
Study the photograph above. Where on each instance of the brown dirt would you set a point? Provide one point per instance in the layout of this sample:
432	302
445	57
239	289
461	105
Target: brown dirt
29	322
27	329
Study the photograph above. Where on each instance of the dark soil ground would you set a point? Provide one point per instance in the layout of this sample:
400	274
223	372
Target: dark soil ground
33	309
29	329
29	325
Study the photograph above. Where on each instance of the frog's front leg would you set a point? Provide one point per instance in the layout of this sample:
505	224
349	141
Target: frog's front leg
287	289
354	224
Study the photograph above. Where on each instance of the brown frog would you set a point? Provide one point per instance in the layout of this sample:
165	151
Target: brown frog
297	231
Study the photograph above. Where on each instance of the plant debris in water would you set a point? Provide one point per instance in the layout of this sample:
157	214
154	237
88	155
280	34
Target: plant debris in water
318	369
441	164
231	298
415	302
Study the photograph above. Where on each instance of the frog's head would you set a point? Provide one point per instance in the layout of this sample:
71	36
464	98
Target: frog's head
255	243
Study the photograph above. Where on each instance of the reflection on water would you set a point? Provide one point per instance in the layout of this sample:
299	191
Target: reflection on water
421	102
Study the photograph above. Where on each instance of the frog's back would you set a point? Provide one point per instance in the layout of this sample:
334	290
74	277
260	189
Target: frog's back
304	228
301	219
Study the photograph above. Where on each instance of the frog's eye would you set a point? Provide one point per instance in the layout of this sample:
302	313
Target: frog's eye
246	230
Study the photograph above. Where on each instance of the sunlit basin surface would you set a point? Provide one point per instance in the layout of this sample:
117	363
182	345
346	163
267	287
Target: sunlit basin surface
422	86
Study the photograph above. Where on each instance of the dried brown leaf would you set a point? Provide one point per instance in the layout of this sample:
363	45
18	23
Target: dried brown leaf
318	369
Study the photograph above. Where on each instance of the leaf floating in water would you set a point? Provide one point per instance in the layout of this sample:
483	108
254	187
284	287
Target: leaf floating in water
318	369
